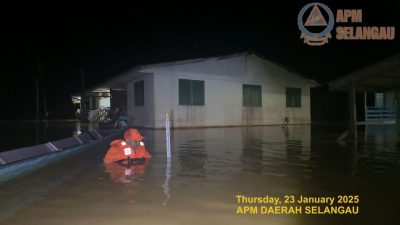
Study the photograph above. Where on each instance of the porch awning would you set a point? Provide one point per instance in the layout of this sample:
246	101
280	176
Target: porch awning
377	77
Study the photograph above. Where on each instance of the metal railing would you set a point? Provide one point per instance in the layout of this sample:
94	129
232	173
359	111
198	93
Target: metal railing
380	114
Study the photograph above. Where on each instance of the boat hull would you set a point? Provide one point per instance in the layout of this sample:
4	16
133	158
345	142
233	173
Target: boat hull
49	154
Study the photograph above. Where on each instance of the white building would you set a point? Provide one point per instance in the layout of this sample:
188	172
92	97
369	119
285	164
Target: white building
235	90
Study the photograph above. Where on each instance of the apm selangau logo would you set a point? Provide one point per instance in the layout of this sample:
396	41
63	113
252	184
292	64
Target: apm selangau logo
316	30
317	23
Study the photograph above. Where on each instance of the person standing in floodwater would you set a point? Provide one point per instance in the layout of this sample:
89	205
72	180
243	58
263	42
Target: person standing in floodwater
131	147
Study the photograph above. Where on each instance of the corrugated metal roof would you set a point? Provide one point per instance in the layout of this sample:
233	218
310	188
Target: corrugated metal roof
196	60
381	75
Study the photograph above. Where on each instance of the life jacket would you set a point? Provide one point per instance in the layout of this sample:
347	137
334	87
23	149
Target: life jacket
120	150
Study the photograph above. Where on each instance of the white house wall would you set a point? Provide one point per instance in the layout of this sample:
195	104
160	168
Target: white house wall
143	116
223	93
222	97
274	80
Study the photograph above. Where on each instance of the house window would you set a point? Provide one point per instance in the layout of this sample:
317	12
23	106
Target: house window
139	93
191	92
293	97
252	95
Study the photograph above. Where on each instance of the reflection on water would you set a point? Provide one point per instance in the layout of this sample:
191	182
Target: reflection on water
120	173
207	169
192	158
252	156
166	182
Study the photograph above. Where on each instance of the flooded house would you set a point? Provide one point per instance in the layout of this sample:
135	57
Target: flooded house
234	90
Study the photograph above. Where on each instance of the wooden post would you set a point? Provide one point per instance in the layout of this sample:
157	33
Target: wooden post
45	104
168	166
83	97
365	115
36	81
365	102
168	135
353	112
397	105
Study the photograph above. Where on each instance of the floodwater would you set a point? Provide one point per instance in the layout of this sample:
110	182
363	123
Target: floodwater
209	167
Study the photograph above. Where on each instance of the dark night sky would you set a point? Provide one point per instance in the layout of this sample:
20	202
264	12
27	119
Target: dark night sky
106	39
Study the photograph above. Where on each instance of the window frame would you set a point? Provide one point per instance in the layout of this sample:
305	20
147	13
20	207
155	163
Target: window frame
138	86
290	93
193	97
252	89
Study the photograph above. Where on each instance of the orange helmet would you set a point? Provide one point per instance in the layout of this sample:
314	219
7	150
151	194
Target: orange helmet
133	134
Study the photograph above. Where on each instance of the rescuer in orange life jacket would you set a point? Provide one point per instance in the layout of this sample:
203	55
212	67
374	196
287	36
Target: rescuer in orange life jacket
132	147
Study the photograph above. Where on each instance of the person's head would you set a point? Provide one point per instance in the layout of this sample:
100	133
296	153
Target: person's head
132	137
